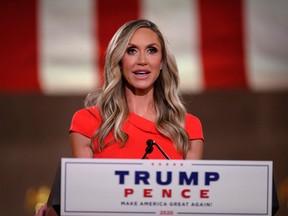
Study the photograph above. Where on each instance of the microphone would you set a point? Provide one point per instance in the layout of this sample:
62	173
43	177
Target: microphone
150	149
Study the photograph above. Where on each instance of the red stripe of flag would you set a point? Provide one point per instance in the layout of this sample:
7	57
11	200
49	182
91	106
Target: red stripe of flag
19	62
221	30
111	14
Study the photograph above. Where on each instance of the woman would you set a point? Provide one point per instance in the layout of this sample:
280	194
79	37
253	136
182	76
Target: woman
139	101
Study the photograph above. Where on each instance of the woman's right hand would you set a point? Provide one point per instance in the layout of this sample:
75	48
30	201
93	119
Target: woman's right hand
45	211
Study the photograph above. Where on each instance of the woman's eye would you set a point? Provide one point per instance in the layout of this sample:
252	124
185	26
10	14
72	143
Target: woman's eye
131	50
152	50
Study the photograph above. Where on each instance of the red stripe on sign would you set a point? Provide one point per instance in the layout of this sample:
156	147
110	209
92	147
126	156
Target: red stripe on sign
222	45
19	63
110	16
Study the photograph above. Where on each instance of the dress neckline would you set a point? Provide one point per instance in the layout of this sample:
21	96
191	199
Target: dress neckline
142	123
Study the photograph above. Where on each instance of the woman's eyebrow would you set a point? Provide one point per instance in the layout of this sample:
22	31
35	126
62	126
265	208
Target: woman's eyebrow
131	45
153	44
149	45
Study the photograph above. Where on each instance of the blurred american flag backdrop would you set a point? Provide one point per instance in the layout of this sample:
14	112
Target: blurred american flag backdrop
57	47
232	57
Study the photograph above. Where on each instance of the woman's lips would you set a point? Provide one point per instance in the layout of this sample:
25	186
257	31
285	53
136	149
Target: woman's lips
141	74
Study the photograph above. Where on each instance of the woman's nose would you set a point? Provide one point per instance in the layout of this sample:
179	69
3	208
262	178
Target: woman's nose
142	59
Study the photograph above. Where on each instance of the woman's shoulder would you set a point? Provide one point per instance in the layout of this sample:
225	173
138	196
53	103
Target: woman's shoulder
85	121
193	126
88	112
192	119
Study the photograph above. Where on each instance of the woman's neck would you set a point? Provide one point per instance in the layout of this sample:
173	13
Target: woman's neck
141	104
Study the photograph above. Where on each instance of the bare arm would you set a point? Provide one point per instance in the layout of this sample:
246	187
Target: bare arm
81	148
195	151
80	145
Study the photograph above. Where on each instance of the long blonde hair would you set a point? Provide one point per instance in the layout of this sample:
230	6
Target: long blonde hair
111	99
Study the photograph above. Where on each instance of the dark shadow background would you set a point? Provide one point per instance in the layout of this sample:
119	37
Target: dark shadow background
238	125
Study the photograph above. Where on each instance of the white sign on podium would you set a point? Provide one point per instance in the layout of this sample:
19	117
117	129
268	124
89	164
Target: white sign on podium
113	187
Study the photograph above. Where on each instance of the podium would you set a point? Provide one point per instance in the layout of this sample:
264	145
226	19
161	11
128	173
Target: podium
163	187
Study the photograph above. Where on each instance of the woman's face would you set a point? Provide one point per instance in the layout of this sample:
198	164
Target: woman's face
142	60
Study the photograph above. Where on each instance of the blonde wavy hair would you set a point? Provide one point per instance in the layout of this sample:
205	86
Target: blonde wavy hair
111	100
